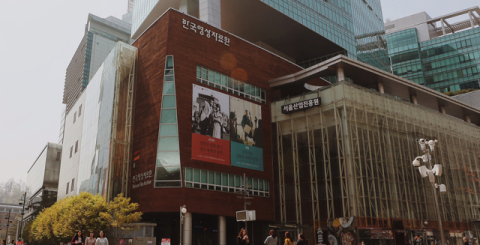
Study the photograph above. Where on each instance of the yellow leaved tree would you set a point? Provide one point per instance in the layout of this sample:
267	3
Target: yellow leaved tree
120	216
85	212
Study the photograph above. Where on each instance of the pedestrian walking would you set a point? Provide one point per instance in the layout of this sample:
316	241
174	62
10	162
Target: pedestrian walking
465	241
271	239
417	240
242	238
90	240
288	238
101	240
301	239
78	238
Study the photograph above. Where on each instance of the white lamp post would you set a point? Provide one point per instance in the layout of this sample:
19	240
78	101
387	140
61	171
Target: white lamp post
183	211
431	172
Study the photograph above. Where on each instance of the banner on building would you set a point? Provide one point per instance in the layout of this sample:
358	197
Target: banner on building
226	130
210	127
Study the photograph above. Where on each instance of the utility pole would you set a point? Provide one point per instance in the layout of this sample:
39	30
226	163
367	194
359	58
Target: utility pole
8	224
19	231
245	195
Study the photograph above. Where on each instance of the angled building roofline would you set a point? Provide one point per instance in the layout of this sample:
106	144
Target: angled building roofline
368	76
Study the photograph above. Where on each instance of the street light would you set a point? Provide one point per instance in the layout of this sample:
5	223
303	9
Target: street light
424	227
183	211
431	172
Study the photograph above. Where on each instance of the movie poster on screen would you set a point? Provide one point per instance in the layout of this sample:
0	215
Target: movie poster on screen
246	134
210	126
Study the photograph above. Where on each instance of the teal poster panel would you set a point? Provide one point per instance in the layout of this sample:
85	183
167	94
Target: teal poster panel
246	156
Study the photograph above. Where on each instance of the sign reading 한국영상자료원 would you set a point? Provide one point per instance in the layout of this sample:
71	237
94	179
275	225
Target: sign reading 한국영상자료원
226	130
203	31
301	105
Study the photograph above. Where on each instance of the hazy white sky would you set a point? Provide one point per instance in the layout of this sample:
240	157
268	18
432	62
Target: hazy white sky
37	40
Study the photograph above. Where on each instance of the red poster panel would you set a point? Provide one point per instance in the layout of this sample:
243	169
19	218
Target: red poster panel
209	149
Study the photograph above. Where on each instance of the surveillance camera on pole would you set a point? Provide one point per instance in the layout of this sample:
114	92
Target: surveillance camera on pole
422	143
431	172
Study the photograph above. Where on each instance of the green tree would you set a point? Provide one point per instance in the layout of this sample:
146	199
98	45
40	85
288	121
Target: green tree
120	216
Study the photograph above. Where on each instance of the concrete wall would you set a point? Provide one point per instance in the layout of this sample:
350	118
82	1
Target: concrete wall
72	134
417	21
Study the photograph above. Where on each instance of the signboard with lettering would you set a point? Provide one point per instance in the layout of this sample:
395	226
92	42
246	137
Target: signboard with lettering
142	179
301	105
203	31
319	236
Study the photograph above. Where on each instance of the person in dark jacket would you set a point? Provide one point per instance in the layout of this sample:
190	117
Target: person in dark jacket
242	238
301	240
78	238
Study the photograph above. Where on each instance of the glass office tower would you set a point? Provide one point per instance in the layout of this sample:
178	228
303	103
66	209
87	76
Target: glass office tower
443	58
355	25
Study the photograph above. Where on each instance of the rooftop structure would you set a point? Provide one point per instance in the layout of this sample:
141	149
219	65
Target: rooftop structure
436	52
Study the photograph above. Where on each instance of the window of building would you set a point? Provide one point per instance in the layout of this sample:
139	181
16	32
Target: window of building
216	181
73	184
76	146
168	171
74	117
59	155
68	184
80	110
230	85
71	151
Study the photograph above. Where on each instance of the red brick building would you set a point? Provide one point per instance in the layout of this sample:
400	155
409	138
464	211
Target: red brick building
202	57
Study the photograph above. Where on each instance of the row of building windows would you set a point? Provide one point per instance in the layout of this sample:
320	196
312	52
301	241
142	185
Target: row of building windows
335	22
230	85
450	62
467	72
407	69
216	181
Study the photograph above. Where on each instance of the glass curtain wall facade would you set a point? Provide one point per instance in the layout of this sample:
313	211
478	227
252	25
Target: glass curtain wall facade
356	25
107	125
405	55
352	156
447	63
370	38
167	171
